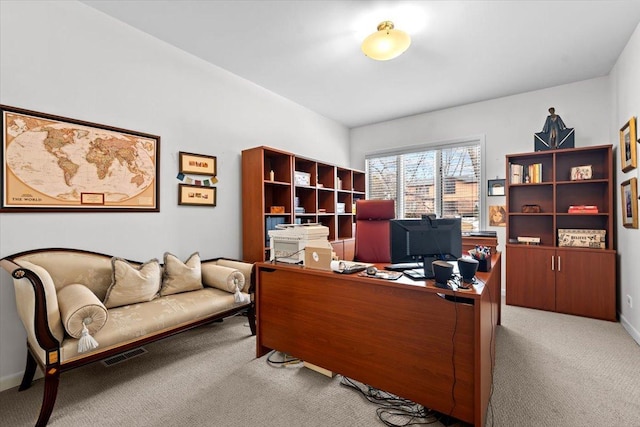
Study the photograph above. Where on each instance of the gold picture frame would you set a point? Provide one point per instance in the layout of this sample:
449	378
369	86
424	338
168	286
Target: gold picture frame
196	195
197	164
58	164
629	200
628	138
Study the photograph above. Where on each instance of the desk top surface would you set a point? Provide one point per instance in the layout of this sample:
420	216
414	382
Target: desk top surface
403	281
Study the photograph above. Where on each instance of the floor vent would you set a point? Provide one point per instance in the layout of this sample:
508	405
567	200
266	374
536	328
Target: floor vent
119	358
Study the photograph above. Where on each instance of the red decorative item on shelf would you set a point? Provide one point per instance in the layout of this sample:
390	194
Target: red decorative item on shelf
585	209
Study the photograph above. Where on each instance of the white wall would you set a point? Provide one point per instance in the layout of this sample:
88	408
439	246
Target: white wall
625	97
67	59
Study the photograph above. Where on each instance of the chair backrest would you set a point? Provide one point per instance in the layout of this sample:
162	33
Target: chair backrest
373	239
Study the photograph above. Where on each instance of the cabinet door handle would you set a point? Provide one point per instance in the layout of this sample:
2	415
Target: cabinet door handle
558	262
553	263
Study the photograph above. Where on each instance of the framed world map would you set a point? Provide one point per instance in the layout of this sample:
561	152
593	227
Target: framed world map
53	163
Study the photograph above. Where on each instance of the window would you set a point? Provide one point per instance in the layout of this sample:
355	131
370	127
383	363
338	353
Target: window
443	179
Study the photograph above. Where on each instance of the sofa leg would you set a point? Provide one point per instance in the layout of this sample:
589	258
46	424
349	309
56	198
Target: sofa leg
51	380
29	372
251	316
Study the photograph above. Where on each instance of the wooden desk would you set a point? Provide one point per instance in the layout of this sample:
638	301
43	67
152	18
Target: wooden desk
400	336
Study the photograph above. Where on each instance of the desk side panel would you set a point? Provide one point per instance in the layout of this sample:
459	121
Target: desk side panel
405	340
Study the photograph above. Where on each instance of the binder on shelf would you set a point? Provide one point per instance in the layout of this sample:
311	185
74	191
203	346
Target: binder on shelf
271	223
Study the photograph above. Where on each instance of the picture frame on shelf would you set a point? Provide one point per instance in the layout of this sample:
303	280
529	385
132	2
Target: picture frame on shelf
59	164
629	200
195	195
495	187
628	150
197	164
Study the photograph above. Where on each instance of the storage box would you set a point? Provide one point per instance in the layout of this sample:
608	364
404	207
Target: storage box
581	238
484	264
302	178
531	209
277	209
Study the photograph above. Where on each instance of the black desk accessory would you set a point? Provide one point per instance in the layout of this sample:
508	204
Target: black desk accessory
442	271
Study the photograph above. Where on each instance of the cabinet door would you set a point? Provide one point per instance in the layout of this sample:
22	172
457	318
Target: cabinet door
531	277
586	283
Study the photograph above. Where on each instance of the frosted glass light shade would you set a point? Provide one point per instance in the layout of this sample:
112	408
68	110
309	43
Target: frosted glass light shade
386	43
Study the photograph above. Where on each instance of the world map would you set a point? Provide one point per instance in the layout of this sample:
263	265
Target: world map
73	163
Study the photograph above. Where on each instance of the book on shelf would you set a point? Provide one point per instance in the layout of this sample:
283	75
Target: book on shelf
534	173
583	209
515	173
520	174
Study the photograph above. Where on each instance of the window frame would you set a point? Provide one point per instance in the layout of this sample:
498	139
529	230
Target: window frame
430	146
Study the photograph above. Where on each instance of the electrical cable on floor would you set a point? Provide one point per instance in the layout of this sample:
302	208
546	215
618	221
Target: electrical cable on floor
285	360
393	411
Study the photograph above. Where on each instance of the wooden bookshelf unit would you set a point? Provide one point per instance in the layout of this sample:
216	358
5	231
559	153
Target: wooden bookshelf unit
550	275
310	191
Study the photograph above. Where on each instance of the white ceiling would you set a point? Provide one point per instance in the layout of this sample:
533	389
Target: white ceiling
461	51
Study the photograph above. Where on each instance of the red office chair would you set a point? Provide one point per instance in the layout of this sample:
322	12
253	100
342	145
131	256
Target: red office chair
373	240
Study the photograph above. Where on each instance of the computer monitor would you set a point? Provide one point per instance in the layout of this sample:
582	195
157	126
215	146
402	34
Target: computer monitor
428	239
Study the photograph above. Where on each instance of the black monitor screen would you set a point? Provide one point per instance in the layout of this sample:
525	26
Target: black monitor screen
415	239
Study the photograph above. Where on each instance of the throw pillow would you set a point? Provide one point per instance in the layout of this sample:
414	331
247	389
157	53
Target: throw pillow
79	307
132	284
225	278
179	276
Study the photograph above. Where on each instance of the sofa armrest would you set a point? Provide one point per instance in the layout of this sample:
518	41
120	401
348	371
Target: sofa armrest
37	306
244	267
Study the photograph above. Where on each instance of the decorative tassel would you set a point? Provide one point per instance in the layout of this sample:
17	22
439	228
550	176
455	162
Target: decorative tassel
86	341
240	297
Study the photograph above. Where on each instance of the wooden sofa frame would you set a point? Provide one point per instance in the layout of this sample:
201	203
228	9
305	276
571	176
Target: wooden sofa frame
53	368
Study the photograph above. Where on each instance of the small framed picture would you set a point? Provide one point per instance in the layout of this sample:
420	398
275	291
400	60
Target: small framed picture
496	187
579	173
195	195
629	199
497	216
628	146
197	164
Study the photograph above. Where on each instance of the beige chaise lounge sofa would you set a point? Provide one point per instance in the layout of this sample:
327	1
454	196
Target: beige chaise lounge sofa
79	307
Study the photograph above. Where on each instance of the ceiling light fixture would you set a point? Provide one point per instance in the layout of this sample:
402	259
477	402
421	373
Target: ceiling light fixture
386	43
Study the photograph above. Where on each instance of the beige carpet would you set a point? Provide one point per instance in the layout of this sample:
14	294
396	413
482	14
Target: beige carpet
551	370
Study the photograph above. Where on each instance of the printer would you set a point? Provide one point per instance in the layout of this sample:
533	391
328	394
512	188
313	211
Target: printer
287	241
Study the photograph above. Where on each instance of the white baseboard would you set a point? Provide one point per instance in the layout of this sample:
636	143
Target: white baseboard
635	334
10	381
14	380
